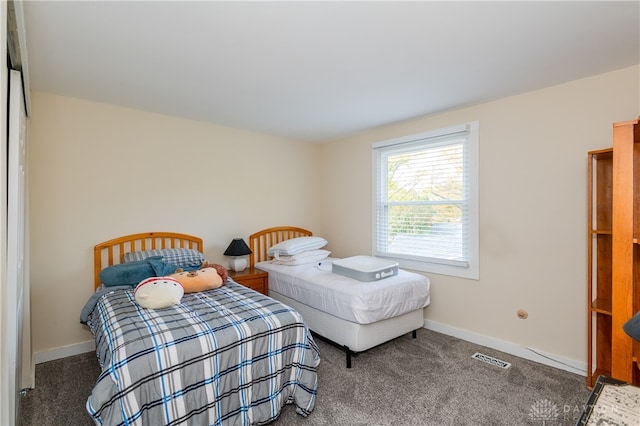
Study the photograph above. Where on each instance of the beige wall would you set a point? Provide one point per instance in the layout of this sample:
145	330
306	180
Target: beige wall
533	152
99	171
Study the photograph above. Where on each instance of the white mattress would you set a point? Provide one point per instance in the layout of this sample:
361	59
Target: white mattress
352	300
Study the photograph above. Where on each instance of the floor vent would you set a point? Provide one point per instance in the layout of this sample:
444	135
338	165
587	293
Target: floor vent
491	360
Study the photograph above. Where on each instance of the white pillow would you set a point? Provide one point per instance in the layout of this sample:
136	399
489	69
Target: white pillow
309	256
296	245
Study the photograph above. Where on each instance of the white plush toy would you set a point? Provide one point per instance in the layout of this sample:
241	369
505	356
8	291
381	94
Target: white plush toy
158	292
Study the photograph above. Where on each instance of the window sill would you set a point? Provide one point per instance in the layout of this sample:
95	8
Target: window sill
470	272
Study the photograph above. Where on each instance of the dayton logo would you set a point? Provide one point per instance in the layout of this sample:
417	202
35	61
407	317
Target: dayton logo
544	410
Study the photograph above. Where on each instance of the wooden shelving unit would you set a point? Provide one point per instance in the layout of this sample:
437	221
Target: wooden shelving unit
614	256
600	183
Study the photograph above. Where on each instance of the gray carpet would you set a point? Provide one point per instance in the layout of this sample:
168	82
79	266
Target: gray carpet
430	380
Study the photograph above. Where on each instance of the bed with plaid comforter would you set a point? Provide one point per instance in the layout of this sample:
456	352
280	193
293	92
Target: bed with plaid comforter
224	356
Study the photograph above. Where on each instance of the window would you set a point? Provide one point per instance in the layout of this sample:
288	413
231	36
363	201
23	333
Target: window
426	201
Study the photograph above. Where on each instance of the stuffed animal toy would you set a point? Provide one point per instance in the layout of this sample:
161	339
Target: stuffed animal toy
199	280
222	271
158	292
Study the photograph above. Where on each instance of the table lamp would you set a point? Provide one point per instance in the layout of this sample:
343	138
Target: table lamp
237	249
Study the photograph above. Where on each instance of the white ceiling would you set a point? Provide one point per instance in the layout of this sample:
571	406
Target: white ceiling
319	70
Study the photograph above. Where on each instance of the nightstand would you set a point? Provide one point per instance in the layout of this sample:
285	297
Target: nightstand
253	278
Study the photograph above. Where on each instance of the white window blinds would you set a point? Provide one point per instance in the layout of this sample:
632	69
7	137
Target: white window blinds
425	198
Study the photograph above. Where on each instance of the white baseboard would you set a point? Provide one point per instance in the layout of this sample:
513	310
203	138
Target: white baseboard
65	351
531	354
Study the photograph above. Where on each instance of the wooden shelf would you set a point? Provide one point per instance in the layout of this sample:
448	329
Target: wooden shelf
602	153
601	306
597	373
613	282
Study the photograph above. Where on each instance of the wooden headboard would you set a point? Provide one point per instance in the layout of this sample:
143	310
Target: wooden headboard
260	242
111	252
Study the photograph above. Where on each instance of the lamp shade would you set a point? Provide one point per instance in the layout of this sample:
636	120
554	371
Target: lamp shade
632	327
237	248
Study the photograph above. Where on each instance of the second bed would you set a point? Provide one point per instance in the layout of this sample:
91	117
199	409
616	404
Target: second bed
353	314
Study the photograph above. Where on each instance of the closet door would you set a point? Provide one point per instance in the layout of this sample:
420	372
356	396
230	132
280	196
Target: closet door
16	227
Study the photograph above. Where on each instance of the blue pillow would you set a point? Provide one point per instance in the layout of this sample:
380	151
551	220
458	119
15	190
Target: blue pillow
131	273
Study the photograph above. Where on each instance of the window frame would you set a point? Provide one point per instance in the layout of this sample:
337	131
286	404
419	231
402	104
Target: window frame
471	170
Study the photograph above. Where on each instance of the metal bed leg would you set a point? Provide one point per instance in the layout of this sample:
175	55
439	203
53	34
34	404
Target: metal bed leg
414	334
348	352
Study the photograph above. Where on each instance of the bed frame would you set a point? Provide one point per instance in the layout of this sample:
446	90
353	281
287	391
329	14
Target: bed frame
262	240
111	252
351	337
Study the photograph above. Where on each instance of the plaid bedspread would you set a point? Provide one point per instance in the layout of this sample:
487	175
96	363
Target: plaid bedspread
225	356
